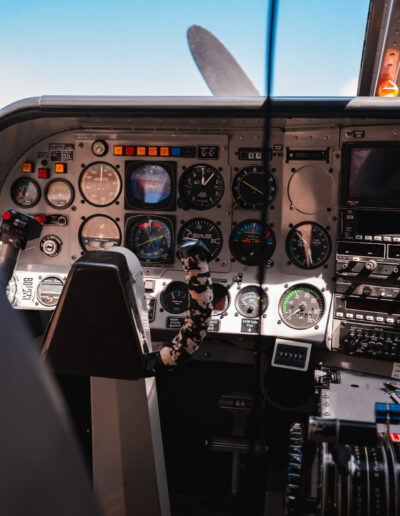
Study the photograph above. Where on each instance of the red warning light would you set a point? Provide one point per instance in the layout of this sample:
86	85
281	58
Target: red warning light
7	215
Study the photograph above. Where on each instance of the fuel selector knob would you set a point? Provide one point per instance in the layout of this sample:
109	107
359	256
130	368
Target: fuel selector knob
51	245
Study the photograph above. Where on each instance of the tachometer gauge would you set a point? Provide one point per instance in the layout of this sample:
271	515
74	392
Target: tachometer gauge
99	233
150	239
100	184
59	193
301	306
175	297
205	230
252	188
308	245
247	240
251	302
25	192
201	187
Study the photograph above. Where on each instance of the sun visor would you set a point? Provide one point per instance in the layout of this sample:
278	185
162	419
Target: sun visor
96	329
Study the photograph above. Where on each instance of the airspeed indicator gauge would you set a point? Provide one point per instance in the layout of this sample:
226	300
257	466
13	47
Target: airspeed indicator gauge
100	184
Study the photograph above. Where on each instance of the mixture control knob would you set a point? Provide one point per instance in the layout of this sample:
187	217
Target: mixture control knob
50	245
371	265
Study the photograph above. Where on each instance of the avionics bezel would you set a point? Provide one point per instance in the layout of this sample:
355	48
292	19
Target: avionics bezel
168	204
344	187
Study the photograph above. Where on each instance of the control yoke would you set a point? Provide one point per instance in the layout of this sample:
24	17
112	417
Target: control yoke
15	232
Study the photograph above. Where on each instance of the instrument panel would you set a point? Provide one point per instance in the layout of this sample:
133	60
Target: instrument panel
151	191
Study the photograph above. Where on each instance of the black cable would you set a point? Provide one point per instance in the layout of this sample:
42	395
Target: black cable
267	155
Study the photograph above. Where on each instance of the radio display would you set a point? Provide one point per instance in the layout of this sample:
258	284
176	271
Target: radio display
373	173
367	305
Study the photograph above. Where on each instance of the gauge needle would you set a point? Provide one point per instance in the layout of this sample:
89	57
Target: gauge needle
295	312
310	256
20	193
152	240
208	179
101	173
253	187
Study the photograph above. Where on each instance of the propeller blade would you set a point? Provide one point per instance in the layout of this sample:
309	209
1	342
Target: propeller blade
222	73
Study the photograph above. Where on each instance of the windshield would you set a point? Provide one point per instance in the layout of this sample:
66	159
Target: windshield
140	48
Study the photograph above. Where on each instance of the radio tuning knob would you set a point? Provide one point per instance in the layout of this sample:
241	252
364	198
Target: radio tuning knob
371	265
367	291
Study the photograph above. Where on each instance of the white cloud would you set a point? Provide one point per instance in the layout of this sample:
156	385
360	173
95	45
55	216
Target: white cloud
349	88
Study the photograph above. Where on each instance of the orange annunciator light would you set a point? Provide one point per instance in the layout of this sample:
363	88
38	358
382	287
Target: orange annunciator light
387	86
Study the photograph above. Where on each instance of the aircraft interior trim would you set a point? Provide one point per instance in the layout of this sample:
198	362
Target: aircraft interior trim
290	404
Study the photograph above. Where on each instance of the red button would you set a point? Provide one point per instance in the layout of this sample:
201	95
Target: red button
41	218
7	215
43	173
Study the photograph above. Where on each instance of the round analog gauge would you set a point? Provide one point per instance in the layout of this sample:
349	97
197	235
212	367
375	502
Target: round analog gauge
99	148
301	306
253	187
251	302
49	291
150	185
150	239
175	297
99	233
205	230
251	245
201	187
308	245
59	193
100	184
25	192
221	299
11	290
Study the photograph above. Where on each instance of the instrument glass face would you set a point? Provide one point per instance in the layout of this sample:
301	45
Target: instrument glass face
175	297
150	239
205	230
59	193
99	233
201	187
49	291
25	192
253	187
301	306
150	185
100	184
308	245
251	302
246	242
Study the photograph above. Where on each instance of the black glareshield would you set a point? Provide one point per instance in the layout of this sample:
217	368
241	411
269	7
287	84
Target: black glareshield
93	330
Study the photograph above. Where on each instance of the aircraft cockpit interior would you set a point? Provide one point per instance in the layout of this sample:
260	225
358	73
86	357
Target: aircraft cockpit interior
211	286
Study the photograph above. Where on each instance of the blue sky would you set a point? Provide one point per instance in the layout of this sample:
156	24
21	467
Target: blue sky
139	48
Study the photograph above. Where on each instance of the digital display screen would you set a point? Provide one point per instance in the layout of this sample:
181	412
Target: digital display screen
374	173
51	288
150	184
384	307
